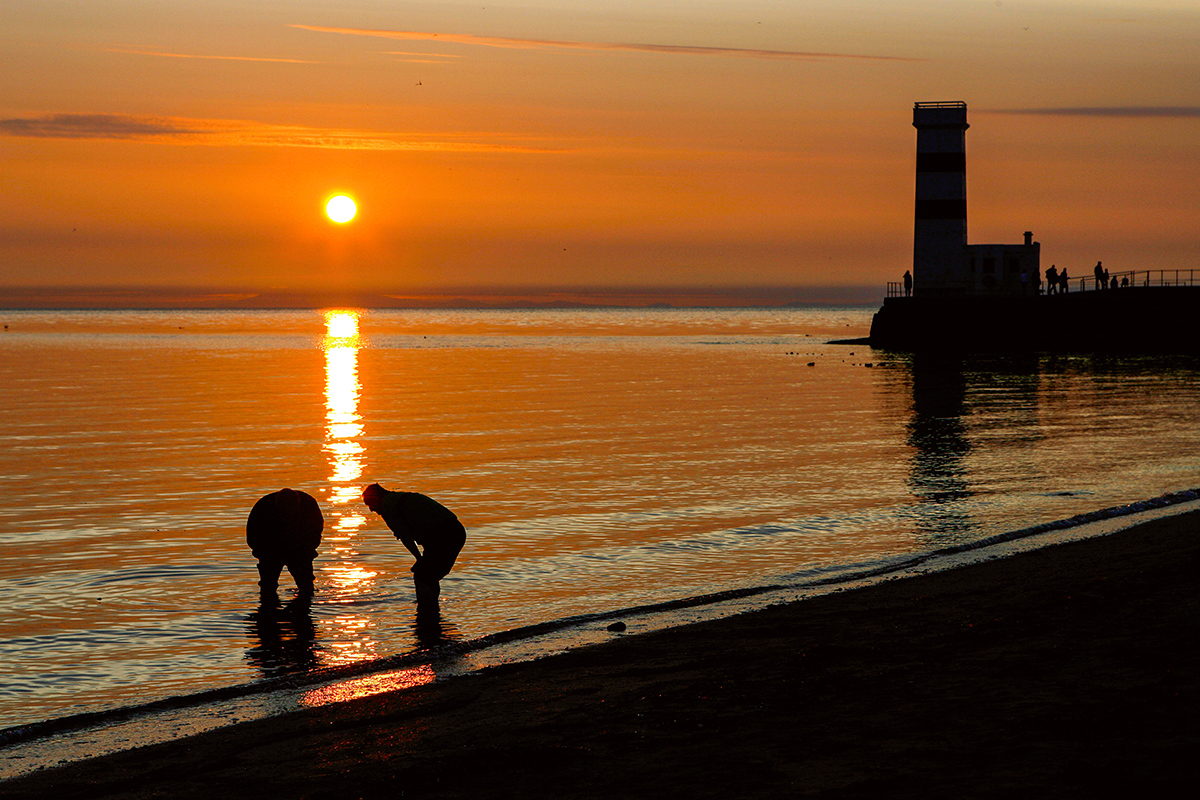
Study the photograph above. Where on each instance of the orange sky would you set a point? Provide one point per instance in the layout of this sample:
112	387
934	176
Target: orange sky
542	146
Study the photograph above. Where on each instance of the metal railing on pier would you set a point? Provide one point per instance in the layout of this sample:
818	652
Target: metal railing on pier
1140	278
1132	279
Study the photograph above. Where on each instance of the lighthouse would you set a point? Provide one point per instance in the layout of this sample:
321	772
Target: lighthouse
944	265
940	230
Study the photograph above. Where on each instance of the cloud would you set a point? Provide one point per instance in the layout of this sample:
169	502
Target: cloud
217	132
216	58
96	126
422	58
421	55
540	44
1109	111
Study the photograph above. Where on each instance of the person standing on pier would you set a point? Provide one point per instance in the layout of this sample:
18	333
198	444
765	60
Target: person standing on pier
1101	278
907	283
1052	280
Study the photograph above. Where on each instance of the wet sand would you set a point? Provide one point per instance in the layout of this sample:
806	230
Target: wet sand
1071	671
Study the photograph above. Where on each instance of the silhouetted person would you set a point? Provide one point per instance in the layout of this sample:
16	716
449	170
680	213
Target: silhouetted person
1101	277
1063	281
1052	280
419	520
1112	284
1036	274
907	283
1125	282
283	530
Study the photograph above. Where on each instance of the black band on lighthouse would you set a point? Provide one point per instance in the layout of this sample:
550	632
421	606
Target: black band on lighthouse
942	209
942	162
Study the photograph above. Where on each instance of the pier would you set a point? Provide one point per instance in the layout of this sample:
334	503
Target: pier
996	296
1155	319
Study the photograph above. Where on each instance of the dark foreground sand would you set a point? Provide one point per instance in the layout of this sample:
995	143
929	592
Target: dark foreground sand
1072	671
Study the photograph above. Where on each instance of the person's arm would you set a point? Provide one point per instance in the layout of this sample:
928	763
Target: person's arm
401	531
411	545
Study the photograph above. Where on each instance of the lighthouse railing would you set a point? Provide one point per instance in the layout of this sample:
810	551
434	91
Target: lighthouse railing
1130	279
1142	278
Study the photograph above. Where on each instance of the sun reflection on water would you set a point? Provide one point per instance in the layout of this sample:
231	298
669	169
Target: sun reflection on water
369	685
343	573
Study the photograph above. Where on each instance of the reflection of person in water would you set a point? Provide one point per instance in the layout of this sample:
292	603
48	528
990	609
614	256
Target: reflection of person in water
283	530
419	520
284	639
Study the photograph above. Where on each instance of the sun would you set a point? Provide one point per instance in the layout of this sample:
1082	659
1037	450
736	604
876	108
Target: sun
341	208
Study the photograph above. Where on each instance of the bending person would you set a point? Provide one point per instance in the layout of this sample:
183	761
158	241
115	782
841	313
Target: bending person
419	520
283	530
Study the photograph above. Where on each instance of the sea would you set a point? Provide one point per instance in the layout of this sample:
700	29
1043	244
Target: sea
600	459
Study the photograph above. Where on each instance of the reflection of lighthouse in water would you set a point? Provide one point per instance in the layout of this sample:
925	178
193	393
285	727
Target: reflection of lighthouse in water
344	450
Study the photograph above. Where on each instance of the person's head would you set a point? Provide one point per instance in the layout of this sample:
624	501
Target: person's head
373	495
287	499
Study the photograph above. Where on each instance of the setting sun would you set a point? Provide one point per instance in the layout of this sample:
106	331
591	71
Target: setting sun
341	208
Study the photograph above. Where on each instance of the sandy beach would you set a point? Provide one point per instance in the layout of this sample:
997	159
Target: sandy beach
1071	671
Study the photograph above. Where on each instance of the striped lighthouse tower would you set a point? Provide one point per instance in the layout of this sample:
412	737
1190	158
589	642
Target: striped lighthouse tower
940	235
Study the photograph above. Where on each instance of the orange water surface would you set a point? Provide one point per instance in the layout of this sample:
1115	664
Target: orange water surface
599	458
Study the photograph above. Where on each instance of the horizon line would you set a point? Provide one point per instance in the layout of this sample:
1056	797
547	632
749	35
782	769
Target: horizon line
99	297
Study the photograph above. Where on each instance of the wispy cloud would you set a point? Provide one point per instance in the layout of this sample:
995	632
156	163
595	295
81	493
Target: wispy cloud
95	126
137	52
1108	111
218	132
422	58
541	44
421	55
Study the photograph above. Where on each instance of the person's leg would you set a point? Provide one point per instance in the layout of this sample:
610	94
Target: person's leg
439	559
268	574
427	576
301	570
436	562
428	591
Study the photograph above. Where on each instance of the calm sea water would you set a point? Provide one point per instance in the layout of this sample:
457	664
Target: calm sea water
599	459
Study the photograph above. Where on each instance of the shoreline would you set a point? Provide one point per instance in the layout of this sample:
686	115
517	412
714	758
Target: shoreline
37	745
744	689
